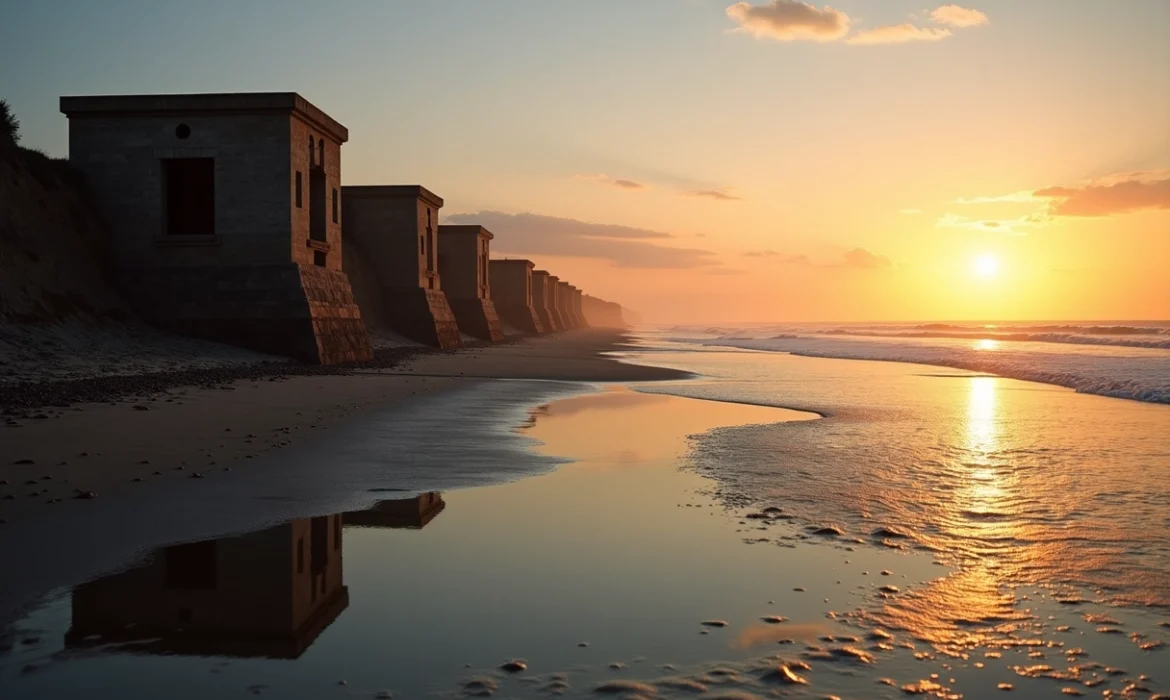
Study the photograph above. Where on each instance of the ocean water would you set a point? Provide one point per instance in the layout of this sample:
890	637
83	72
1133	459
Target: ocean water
781	526
1124	359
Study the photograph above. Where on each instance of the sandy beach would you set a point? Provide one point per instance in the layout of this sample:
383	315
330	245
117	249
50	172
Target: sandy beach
53	456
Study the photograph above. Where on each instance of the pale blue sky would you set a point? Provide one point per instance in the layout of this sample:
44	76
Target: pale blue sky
499	104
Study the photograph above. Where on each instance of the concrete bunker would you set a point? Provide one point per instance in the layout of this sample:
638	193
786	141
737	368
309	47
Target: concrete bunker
464	256
393	230
512	293
542	301
212	235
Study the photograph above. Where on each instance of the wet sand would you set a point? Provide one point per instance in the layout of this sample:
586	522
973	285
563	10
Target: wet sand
93	483
57	455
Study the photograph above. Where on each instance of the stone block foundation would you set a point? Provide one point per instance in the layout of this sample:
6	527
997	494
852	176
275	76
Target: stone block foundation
478	318
423	315
304	312
522	318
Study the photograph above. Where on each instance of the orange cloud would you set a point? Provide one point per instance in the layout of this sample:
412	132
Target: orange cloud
607	180
1107	199
955	16
897	34
789	20
714	194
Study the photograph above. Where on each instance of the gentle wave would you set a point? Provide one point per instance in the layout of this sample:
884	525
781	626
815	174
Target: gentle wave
1119	339
1145	378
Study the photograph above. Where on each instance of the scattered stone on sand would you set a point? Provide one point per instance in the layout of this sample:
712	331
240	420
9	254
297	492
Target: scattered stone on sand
383	695
1005	686
774	619
617	665
195	475
480	687
140	407
514	666
886	572
626	688
24	461
714	623
922	687
799	589
145	461
829	531
880	634
1070	691
890	533
136	479
158	474
889	588
342	683
85	495
582	644
784	674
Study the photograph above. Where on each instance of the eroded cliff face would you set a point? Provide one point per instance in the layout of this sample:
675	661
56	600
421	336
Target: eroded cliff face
52	244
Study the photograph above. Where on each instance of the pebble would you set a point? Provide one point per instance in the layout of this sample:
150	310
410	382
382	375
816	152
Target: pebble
85	495
383	695
196	475
24	461
714	623
514	666
774	619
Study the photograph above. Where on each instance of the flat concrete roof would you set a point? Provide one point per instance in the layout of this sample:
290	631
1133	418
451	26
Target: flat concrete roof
513	261
204	103
393	191
465	230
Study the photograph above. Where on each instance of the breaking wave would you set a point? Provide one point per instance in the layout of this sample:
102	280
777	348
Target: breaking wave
1137	374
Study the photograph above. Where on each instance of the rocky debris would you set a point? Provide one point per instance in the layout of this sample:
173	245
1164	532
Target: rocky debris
66	392
514	666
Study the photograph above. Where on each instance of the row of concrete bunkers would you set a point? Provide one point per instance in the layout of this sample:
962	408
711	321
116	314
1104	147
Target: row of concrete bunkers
229	222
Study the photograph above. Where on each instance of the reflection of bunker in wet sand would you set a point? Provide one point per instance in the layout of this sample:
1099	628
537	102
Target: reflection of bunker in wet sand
264	594
412	513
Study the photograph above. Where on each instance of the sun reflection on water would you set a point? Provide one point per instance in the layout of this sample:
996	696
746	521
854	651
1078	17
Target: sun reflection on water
987	344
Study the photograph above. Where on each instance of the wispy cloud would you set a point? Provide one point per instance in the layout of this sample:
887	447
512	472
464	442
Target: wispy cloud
998	199
713	194
956	16
898	34
863	259
791	20
607	180
1107	199
624	246
855	258
1016	226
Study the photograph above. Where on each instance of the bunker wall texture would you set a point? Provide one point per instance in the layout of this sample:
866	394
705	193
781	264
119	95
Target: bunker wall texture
554	302
253	279
511	288
463	267
540	301
397	228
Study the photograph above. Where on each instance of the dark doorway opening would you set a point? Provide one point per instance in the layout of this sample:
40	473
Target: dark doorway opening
189	192
317	212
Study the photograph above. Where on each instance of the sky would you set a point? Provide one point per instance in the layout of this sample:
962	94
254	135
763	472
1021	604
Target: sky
703	160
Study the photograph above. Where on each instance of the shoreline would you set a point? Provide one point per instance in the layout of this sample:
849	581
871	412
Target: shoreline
83	468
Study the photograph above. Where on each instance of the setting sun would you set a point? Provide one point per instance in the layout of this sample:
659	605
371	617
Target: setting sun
986	266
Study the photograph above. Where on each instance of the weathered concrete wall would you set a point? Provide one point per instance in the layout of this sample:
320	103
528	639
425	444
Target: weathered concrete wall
554	302
306	312
397	229
541	301
565	305
259	235
511	288
464	254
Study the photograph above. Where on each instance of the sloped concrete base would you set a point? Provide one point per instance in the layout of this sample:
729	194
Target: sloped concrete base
522	318
423	315
305	312
478	318
547	320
